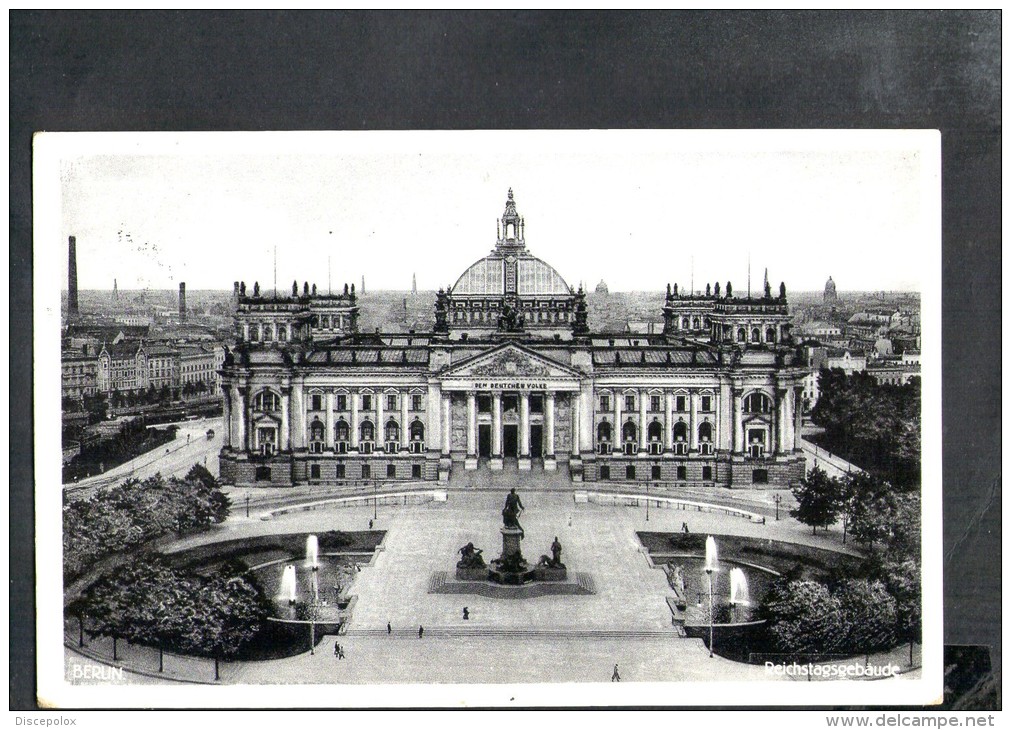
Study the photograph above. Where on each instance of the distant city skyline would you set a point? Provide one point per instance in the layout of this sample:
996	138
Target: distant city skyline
636	209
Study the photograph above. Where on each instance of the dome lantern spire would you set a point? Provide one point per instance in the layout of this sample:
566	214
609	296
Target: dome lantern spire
512	225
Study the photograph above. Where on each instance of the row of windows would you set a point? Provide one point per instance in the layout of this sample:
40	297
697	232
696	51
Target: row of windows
317	402
758	476
654	432
742	334
315	471
366	430
656	403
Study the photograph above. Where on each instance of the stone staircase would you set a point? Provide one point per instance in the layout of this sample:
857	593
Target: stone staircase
535	480
518	633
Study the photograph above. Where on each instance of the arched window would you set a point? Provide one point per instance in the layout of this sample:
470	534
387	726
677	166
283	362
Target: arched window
628	431
705	432
268	332
417	431
254	333
282	333
684	323
680	432
266	400
342	430
317	431
742	336
367	431
655	431
392	431
756	335
757	403
604	431
695	323
770	334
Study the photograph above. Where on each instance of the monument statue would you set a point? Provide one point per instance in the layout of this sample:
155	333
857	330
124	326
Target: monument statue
511	511
470	557
555	561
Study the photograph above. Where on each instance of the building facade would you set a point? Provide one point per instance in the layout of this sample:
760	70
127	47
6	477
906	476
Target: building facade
512	375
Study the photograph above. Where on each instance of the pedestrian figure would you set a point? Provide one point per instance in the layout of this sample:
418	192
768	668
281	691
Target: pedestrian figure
615	677
466	613
421	631
341	654
337	650
570	520
389	629
370	524
684	527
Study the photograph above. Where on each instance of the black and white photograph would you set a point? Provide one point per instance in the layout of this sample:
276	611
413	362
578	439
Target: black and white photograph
488	418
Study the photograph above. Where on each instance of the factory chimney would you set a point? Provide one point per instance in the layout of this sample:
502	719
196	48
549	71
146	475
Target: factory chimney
182	301
72	309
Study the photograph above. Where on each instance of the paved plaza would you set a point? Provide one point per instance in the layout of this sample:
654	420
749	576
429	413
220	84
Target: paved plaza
573	638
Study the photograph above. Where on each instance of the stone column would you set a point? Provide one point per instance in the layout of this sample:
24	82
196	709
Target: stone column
447	423
797	410
226	416
355	418
616	434
328	404
549	431
241	397
298	417
285	420
380	421
470	461
496	430
524	460
643	423
405	436
668	424
576	430
738	421
433	417
781	420
693	422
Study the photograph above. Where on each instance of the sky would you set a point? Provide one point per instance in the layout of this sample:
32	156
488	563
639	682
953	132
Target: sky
636	209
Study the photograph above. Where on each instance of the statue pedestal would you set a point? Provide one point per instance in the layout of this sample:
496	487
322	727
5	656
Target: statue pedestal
511	568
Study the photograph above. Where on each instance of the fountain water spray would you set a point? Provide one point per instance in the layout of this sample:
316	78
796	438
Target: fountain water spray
739	588
312	552
711	557
288	590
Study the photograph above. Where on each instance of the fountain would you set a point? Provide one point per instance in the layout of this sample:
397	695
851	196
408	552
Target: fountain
312	552
712	561
288	589
739	588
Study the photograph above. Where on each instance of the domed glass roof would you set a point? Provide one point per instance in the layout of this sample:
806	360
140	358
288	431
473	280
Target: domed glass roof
533	277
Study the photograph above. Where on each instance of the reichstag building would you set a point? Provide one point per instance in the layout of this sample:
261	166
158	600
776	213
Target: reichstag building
512	376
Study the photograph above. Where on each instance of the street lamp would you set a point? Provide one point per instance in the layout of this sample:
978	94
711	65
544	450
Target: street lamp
777	499
375	499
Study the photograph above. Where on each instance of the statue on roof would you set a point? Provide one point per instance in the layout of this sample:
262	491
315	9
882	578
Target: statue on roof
256	288
782	290
730	290
314	290
708	289
294	288
242	288
716	290
675	290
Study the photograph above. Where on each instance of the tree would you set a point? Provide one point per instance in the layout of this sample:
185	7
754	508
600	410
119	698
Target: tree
870	505
803	617
903	579
868	614
819	500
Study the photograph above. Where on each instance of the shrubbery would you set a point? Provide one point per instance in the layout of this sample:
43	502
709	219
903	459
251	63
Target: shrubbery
118	518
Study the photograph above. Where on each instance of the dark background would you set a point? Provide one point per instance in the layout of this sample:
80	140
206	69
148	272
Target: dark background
529	70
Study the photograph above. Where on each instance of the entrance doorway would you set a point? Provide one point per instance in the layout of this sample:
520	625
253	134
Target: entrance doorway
536	440
484	440
510	440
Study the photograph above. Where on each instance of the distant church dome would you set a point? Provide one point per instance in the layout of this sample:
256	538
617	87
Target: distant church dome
488	276
830	293
601	287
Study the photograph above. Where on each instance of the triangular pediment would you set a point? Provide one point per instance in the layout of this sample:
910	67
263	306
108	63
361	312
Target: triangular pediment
510	361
